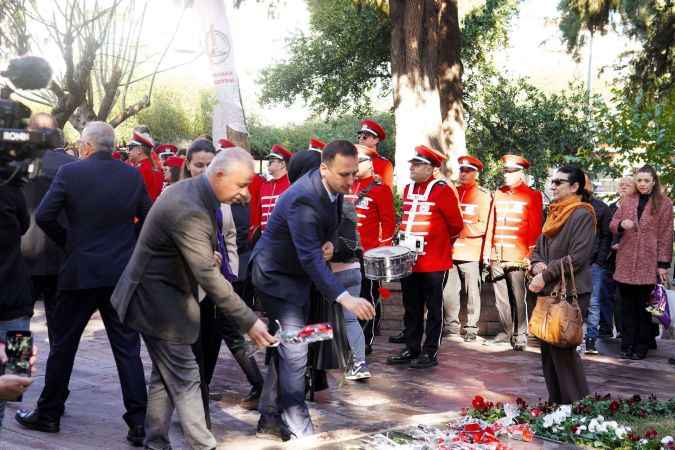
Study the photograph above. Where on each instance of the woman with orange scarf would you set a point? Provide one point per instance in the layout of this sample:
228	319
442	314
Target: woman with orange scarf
569	230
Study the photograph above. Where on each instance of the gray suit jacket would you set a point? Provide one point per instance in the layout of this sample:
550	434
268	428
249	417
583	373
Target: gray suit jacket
157	293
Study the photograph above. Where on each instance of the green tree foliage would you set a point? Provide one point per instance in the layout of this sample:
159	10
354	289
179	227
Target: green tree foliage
641	132
346	55
332	68
167	117
297	137
513	116
650	22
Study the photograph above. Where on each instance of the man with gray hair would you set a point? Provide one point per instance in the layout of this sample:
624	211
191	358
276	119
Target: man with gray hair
105	202
177	253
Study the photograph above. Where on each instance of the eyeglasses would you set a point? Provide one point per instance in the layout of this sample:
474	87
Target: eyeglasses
559	181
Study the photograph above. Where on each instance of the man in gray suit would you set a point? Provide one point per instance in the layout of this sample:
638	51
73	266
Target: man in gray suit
157	294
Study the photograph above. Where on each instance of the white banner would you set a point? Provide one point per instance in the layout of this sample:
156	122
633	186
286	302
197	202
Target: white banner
228	110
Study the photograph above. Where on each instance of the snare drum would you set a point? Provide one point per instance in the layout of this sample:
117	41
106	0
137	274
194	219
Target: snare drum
388	263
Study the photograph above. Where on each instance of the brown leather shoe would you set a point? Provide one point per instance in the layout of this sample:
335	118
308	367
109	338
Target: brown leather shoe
250	402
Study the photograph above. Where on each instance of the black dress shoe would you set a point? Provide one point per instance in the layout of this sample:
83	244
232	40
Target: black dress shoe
626	354
250	402
405	357
136	435
273	430
424	361
397	339
637	356
32	420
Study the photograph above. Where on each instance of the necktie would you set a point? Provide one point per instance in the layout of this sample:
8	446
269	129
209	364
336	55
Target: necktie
222	249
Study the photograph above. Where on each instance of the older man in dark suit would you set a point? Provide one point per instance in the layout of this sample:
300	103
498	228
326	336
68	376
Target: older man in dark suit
157	294
290	256
102	199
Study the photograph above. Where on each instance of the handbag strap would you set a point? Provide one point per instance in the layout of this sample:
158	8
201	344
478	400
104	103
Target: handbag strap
563	282
574	284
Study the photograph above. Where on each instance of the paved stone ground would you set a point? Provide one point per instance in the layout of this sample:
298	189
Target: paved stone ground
394	396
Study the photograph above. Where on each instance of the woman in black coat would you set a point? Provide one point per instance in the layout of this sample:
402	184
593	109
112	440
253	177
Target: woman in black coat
16	298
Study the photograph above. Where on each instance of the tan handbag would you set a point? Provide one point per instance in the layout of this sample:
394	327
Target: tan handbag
557	318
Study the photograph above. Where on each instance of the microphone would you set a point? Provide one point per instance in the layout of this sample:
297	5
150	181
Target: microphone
28	72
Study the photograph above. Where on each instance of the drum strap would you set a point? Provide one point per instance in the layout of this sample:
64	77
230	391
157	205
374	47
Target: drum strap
416	198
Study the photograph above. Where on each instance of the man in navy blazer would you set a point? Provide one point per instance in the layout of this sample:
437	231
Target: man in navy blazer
103	199
290	256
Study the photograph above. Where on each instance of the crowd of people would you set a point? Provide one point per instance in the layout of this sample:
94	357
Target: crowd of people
177	249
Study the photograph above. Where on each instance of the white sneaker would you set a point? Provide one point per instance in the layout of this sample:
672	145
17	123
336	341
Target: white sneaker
358	371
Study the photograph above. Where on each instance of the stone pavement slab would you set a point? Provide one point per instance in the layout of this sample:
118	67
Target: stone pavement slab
394	397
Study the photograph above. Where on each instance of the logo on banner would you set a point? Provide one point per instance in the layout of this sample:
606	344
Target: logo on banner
218	46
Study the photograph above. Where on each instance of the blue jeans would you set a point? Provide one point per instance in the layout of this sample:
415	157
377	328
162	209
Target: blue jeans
20	324
593	318
283	397
351	280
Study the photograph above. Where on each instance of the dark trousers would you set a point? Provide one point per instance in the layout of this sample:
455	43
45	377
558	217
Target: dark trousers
420	290
283	396
370	290
45	288
510	301
608	305
637	326
563	369
71	315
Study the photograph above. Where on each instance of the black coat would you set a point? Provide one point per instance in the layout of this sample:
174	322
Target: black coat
16	299
603	237
42	255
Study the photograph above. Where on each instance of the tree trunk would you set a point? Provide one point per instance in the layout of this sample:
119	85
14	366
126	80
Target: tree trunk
453	142
426	77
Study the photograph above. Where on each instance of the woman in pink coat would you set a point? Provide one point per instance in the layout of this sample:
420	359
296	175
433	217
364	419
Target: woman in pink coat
644	255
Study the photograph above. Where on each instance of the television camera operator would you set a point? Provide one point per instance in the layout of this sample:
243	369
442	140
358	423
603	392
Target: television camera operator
20	151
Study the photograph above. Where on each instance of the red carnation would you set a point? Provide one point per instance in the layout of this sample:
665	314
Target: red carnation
384	293
614	406
535	412
478	403
633	437
651	433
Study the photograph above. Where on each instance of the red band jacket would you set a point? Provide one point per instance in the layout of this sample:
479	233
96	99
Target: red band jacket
475	203
374	204
153	178
267	198
515	223
431	222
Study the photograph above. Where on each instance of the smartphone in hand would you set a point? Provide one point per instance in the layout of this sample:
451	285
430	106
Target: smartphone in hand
19	348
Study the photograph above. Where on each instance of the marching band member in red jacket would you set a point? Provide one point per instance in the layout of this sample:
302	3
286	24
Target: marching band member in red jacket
270	189
515	225
376	226
431	221
141	155
475	203
371	134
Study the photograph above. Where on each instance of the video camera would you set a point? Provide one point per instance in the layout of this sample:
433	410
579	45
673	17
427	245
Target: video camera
20	147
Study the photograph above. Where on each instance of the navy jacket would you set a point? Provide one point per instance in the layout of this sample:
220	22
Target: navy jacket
101	198
288	258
